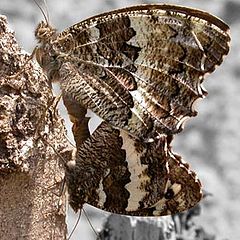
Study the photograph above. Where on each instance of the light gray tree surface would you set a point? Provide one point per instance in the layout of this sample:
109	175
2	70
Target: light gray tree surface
210	142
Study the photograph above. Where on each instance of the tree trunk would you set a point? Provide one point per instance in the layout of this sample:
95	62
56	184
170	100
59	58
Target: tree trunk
31	173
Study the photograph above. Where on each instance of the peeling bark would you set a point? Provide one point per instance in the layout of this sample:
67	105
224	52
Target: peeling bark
31	172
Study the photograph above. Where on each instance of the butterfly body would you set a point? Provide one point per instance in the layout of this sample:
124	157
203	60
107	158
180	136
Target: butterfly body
140	69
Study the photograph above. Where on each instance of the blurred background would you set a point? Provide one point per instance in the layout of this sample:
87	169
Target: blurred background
210	142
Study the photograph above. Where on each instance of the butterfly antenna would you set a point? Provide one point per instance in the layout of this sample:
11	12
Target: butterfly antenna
86	215
43	13
46	7
75	226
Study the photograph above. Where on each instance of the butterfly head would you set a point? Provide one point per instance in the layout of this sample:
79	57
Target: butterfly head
44	53
44	32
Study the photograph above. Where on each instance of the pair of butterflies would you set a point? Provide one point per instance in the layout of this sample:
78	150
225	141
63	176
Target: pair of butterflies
140	70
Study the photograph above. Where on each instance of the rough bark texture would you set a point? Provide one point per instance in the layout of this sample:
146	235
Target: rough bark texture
182	226
119	227
31	172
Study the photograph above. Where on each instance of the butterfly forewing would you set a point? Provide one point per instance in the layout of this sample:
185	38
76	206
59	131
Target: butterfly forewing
145	63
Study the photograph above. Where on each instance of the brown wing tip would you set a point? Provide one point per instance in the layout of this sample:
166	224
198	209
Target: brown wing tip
197	13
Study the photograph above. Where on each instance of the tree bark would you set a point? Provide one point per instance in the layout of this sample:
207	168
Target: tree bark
31	173
132	228
181	226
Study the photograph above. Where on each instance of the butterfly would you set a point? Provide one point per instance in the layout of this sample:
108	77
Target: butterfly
140	69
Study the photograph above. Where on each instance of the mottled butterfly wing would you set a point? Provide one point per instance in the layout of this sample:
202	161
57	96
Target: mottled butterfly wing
141	68
119	174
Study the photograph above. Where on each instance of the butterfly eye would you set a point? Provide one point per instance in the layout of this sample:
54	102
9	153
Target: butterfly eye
169	194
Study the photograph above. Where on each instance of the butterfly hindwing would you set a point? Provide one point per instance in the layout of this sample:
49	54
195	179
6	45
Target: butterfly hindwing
119	174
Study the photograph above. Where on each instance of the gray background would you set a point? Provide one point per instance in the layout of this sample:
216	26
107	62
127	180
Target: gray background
210	142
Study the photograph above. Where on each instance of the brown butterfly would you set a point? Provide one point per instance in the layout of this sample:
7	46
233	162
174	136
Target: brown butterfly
140	69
